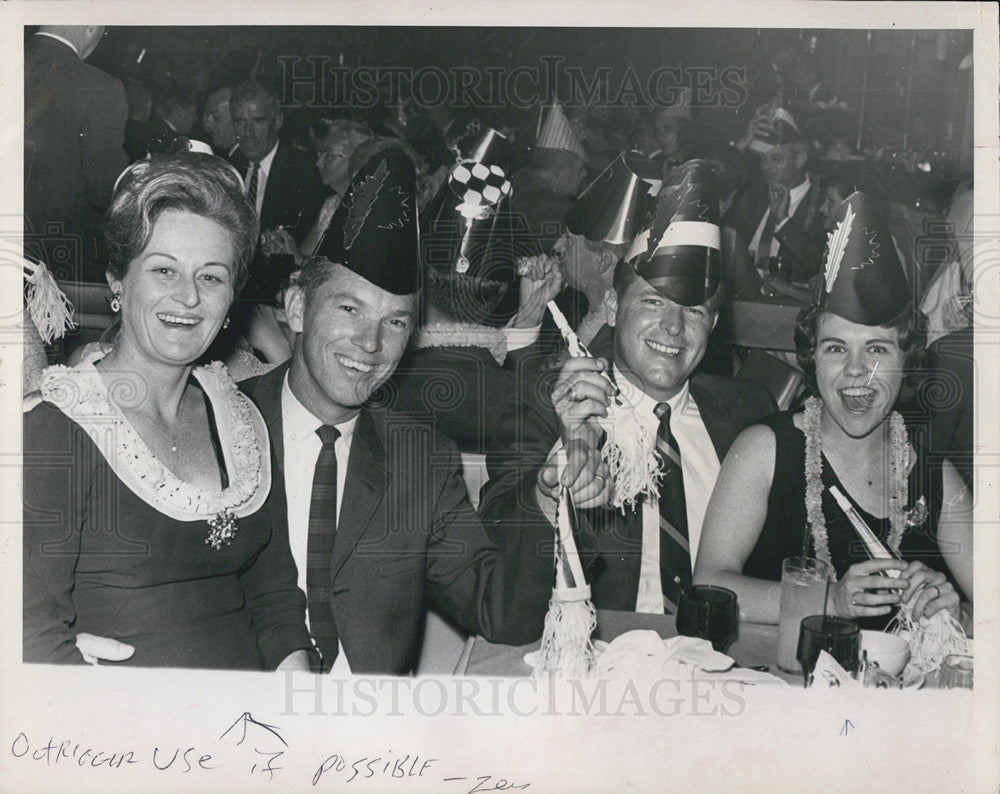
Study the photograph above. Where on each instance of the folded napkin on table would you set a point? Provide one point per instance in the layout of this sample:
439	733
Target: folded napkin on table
644	654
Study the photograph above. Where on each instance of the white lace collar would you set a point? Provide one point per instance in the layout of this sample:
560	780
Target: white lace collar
81	394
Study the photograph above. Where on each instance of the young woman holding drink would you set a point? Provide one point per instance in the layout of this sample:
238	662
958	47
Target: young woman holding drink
772	500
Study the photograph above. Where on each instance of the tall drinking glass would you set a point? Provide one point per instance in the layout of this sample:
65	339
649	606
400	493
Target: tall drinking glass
803	593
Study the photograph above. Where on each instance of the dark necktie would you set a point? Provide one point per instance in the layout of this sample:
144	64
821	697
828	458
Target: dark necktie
675	552
762	259
252	183
319	553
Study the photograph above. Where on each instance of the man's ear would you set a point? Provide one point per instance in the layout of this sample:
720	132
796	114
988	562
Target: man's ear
295	308
280	119
610	306
715	319
607	260
801	158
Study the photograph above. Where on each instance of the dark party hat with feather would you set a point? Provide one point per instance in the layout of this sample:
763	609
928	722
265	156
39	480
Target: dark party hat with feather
374	231
863	281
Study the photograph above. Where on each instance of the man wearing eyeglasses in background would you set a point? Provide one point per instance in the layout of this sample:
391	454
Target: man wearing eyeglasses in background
336	141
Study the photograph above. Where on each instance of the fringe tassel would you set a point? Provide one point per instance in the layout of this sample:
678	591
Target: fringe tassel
49	308
630	452
567	650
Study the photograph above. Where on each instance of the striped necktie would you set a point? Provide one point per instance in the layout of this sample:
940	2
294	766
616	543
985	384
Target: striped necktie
675	552
252	183
319	552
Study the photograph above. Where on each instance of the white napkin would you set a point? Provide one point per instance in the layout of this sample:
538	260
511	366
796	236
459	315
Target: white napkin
828	672
644	654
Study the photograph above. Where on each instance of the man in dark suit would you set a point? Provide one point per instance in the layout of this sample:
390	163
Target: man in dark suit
217	121
788	242
282	181
74	129
379	518
663	308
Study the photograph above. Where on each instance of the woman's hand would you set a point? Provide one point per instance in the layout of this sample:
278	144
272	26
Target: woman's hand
928	591
95	649
864	593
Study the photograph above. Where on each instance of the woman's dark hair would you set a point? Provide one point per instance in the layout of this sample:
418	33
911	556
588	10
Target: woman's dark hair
462	298
912	340
202	184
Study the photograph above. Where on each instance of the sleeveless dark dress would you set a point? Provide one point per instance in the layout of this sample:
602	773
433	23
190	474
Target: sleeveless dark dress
786	521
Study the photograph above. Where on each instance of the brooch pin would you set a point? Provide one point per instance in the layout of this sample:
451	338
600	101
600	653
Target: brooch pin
223	530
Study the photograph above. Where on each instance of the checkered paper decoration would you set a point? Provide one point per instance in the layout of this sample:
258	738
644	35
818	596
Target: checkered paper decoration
479	185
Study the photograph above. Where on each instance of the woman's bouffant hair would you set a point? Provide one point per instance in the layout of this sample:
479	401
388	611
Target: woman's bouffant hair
912	340
202	184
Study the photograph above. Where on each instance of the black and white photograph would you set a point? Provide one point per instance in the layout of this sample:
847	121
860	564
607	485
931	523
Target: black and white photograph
483	398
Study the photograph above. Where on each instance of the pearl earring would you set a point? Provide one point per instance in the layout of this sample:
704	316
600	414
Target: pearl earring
116	302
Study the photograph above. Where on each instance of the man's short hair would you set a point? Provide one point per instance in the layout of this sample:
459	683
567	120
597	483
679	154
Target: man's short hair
356	131
176	99
316	271
219	88
255	92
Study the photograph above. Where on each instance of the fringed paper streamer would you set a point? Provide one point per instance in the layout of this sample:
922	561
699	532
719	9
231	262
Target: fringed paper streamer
630	447
48	307
630	452
566	650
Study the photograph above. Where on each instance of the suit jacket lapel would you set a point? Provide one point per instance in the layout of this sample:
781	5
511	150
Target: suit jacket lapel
716	415
364	488
265	391
272	188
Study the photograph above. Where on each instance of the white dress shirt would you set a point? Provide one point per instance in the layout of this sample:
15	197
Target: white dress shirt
301	451
700	466
795	196
263	169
